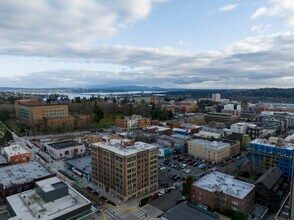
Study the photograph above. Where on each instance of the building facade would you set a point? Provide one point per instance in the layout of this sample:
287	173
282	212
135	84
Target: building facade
225	118
124	168
31	112
215	151
132	123
267	155
223	192
65	149
16	154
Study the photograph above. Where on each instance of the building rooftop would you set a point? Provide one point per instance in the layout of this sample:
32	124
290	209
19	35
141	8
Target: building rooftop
49	184
15	150
22	173
82	163
215	145
212	130
29	204
184	212
158	128
220	182
64	144
116	147
265	142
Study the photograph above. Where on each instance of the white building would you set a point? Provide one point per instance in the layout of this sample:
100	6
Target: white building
216	97
16	154
65	149
241	127
51	199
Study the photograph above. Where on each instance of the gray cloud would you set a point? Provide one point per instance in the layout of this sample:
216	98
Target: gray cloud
70	30
254	62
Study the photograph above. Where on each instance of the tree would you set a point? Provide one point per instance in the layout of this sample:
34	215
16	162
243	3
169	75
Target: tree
78	99
8	136
187	186
245	141
4	115
98	113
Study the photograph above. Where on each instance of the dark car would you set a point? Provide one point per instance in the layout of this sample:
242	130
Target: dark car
167	190
155	196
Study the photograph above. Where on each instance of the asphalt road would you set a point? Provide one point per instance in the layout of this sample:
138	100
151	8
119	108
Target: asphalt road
167	201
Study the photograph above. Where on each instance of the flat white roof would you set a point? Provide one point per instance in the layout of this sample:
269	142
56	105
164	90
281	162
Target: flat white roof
159	128
221	182
15	150
46	184
265	142
289	138
214	145
115	146
29	205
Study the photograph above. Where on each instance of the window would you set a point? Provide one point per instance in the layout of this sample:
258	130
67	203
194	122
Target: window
235	203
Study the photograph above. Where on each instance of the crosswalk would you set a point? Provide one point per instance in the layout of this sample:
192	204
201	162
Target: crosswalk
116	214
141	214
112	214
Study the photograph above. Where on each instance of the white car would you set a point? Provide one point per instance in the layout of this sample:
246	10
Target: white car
161	193
188	171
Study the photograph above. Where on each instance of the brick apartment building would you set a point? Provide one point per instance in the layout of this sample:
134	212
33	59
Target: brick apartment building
132	123
223	192
124	168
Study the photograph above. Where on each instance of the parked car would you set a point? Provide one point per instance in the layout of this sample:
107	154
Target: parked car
161	193
155	196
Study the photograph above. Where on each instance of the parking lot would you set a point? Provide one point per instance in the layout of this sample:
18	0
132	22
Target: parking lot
177	168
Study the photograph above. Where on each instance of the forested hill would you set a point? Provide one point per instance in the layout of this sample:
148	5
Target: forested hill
265	94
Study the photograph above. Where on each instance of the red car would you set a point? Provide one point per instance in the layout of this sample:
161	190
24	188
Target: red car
155	196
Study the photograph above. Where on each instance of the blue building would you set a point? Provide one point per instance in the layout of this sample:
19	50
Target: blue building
268	155
81	166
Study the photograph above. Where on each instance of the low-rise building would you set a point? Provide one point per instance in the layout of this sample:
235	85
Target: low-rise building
124	168
225	118
51	199
81	166
223	192
132	123
241	127
65	149
16	154
21	177
208	133
160	130
215	151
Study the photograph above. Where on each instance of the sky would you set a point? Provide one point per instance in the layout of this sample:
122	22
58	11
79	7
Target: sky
191	44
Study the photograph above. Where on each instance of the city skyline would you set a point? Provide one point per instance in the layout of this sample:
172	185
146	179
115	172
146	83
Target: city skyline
162	43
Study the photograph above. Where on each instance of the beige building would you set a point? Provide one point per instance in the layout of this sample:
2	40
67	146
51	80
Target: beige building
124	168
31	112
45	116
209	150
132	123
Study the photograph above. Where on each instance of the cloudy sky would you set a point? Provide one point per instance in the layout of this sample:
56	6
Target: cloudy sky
167	43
